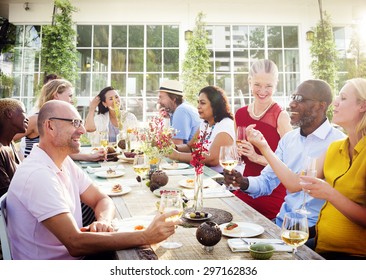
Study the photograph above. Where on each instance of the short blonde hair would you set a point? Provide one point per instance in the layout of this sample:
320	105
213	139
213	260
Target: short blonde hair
9	104
49	90
360	89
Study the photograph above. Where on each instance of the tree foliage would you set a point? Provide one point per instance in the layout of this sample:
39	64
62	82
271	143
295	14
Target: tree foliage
196	64
59	54
324	53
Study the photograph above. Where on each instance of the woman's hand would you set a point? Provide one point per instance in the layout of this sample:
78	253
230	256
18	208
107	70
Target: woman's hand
256	138
245	148
317	188
94	103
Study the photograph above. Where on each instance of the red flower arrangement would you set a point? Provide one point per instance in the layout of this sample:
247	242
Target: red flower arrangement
199	149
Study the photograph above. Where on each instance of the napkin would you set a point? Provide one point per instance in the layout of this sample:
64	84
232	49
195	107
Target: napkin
90	169
238	245
209	193
187	171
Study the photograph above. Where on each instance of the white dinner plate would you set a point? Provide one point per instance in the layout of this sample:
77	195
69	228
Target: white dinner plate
243	230
184	184
107	189
104	174
157	192
176	166
130	224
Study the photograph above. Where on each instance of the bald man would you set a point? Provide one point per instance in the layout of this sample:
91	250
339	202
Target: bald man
44	215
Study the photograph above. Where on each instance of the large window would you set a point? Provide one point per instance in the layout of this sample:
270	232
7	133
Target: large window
132	58
26	68
235	47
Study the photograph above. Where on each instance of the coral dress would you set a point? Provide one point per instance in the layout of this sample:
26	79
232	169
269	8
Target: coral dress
268	205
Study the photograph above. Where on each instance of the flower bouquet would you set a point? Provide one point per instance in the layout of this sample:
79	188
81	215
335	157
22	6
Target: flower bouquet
199	150
156	139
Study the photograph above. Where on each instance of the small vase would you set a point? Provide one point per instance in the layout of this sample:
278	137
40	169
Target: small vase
154	165
198	195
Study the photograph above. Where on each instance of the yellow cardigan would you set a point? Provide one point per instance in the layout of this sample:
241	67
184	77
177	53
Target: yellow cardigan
336	233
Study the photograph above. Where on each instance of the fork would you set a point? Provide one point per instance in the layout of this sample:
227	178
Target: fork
246	242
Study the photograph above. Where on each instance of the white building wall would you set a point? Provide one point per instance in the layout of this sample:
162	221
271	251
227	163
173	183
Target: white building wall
304	13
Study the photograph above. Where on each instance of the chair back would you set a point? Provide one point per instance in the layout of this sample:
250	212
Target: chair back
5	244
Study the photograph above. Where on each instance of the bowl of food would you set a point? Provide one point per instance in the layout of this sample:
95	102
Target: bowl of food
261	251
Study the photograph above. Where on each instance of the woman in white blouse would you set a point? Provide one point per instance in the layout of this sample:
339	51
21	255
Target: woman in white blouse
217	127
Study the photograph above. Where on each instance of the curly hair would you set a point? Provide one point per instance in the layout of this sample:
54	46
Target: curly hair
219	102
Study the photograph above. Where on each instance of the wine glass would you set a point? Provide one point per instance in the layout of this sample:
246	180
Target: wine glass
141	168
309	170
240	137
171	201
295	230
229	159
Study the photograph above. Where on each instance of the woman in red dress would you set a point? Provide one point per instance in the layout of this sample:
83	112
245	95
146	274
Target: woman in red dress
272	121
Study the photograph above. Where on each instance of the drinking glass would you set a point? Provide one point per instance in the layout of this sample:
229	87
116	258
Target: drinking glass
240	137
295	230
141	168
229	159
308	170
171	201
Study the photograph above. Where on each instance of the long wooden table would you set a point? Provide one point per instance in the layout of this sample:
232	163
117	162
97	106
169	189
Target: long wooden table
135	204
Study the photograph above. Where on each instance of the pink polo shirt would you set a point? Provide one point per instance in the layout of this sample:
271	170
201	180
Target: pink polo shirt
38	191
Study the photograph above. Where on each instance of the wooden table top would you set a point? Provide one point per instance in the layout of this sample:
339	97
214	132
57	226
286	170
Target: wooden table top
137	204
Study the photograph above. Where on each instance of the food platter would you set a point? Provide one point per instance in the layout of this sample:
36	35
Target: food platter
104	174
107	189
175	166
185	183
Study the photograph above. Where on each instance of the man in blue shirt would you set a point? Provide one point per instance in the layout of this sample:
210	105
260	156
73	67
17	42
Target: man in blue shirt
311	138
184	118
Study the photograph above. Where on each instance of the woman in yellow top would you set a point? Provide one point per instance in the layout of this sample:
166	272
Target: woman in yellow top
341	172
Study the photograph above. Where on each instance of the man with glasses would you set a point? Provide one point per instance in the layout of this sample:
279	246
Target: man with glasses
311	138
44	210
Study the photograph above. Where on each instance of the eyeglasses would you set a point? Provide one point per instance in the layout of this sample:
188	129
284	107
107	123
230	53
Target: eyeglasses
75	122
299	98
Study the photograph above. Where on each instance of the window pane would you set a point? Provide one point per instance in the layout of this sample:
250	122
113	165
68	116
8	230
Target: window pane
31	61
153	36
99	82
134	85
19	38
292	80
134	106
84	35
136	36
224	81
222	61
290	36
152	84
84	63
32	36
339	37
28	85
118	60
256	54
241	85
119	36
171	36
100	61
136	60
240	36
101	34
241	61
82	85
119	83
153	61
276	57
292	63
256	37
219	37
274	37
17	60
171	60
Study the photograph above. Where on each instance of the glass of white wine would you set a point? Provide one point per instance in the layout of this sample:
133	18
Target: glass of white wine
229	159
171	201
308	170
295	230
141	168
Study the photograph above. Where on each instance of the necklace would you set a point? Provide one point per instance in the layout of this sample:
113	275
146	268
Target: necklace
261	114
206	135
